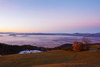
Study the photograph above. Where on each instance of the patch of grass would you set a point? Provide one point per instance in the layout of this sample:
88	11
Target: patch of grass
56	58
67	49
68	65
94	47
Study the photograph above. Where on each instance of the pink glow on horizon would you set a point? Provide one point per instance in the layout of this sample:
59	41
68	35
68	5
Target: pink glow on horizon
49	15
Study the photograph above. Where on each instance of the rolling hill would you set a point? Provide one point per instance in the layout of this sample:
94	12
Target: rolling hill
54	58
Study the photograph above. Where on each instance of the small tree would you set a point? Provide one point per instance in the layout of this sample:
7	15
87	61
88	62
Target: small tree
86	41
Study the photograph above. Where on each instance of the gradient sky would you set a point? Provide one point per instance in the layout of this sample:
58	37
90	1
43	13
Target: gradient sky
50	16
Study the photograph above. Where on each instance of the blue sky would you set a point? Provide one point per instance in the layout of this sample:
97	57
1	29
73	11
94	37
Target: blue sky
50	16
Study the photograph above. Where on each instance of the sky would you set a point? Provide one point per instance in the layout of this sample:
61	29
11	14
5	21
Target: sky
50	16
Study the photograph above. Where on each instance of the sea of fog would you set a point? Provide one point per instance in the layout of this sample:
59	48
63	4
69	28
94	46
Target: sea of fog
42	40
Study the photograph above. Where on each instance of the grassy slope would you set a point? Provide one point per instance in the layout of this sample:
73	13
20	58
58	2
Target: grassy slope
55	58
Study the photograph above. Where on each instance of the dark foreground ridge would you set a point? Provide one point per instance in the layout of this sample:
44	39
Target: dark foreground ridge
6	49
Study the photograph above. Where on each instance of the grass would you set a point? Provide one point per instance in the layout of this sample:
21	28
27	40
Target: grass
55	58
67	49
68	65
94	47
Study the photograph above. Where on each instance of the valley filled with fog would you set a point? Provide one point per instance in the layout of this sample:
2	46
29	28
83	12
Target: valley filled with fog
43	40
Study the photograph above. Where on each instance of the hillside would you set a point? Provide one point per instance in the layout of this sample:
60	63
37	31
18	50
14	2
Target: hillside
54	58
6	49
63	46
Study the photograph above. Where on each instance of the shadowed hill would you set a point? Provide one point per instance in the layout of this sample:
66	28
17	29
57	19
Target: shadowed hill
63	46
6	49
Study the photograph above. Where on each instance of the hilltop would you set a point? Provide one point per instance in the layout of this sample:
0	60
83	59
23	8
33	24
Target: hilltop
54	58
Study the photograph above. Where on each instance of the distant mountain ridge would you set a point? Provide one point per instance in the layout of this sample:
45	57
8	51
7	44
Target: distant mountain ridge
70	34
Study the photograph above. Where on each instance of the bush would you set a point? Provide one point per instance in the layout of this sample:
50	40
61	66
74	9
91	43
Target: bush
78	46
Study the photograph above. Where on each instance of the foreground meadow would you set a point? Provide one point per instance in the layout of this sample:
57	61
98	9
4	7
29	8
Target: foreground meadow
54	58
